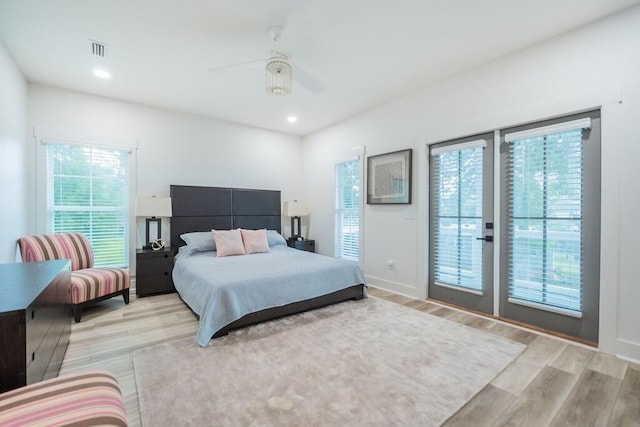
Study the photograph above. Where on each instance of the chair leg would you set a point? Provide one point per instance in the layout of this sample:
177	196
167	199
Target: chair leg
125	295
77	312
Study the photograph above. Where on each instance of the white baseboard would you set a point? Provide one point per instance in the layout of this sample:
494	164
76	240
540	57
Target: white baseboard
396	287
627	350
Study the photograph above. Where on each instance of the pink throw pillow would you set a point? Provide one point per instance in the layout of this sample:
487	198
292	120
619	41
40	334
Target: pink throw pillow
228	242
255	241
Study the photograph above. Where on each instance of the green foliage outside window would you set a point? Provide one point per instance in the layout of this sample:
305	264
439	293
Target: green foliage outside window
88	192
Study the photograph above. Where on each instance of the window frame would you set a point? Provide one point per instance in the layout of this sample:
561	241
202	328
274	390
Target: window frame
338	253
537	159
465	254
45	210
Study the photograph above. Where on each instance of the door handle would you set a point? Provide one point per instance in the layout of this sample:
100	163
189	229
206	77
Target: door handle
485	238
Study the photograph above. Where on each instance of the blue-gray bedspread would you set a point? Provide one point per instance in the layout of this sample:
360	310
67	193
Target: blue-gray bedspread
224	289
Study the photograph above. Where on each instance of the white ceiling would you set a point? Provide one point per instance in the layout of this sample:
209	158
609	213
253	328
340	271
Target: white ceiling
366	52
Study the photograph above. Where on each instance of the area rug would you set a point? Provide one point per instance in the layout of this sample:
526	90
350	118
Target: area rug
368	362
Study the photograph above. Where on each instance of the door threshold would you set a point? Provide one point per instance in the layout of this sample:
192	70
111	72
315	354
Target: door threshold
517	323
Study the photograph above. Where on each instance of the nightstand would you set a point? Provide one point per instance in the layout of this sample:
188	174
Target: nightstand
153	271
303	245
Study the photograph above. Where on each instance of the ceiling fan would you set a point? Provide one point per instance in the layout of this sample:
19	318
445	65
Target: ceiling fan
280	70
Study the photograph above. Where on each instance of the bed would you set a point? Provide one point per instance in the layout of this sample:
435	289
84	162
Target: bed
231	292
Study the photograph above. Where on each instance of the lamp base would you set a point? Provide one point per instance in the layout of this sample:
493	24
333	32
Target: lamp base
154	231
296	234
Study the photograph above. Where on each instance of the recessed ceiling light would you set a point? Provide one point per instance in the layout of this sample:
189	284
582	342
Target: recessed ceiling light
102	74
292	119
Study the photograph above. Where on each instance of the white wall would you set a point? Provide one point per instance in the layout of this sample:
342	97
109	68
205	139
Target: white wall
167	147
14	218
595	66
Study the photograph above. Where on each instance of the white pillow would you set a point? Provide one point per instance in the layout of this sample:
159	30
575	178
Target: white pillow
228	242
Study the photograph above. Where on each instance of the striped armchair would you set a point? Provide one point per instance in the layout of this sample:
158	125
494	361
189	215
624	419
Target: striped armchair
88	284
85	399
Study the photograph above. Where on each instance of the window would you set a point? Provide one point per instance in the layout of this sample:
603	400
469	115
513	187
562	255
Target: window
457	194
88	192
545	215
348	210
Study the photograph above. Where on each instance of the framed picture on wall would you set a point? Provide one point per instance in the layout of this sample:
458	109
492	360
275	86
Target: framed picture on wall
389	178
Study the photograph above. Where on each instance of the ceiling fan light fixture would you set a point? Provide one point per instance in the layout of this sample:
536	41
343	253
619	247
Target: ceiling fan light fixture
278	76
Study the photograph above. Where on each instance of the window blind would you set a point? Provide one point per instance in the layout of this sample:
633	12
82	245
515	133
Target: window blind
458	147
347	231
457	200
545	205
88	192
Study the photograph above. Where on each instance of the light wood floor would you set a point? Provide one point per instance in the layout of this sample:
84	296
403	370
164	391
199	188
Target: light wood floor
552	383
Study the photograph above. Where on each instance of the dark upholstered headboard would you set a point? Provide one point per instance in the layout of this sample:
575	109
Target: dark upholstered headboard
203	208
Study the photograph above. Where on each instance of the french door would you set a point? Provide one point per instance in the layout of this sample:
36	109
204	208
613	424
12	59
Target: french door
549	224
550	254
461	227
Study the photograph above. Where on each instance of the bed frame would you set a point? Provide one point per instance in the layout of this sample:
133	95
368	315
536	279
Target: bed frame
205	208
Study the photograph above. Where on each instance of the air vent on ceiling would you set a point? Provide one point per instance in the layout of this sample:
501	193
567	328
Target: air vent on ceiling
98	49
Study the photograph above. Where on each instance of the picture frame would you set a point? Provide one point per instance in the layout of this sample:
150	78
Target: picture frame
389	178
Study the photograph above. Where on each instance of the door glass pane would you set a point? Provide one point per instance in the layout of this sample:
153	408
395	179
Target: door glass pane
545	219
458	259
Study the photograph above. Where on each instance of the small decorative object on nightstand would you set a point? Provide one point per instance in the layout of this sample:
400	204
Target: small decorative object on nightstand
303	245
153	271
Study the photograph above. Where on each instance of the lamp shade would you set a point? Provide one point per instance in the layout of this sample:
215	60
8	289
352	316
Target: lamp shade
153	206
295	208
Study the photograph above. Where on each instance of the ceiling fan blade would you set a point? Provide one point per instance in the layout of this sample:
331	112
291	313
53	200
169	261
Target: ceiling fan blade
295	30
248	65
308	81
